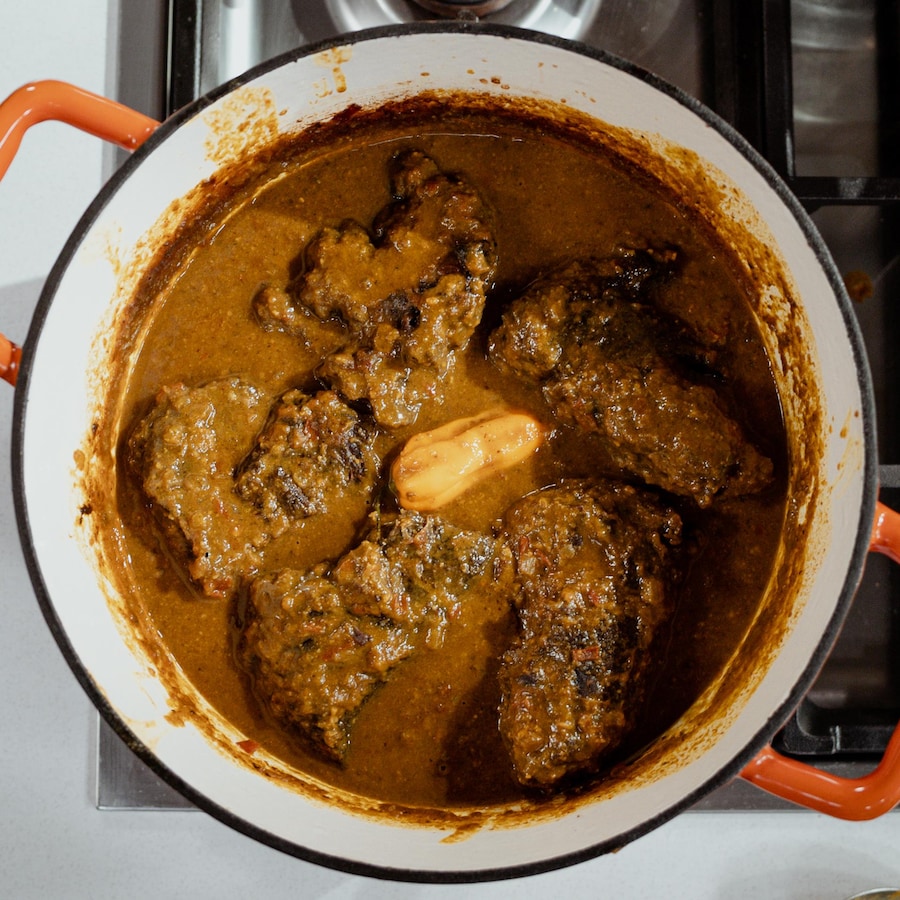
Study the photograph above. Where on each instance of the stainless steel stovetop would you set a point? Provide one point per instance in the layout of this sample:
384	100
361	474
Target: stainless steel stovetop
813	84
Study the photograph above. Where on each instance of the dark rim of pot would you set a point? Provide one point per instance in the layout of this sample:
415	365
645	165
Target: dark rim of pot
727	772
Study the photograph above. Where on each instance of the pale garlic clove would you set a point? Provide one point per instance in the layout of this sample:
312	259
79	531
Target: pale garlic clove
437	466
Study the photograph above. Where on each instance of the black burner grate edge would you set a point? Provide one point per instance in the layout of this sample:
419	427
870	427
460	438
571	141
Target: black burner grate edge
750	69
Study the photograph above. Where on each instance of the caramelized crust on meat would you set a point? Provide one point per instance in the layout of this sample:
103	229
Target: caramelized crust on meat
609	363
317	643
184	452
591	572
219	505
393	306
312	450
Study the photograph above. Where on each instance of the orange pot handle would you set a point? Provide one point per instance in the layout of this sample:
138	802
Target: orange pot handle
845	798
43	100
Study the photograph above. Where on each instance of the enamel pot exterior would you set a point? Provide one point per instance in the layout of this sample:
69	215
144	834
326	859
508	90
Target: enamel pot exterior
61	385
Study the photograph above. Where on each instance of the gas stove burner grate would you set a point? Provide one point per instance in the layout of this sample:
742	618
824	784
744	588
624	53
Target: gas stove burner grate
564	19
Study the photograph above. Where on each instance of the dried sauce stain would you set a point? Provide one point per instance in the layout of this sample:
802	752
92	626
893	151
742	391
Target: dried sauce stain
464	831
854	453
333	59
244	121
177	717
107	245
494	80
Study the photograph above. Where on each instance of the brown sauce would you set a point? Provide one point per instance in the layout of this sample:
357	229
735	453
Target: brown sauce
429	737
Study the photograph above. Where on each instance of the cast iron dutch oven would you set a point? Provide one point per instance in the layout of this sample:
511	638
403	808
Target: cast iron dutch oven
834	516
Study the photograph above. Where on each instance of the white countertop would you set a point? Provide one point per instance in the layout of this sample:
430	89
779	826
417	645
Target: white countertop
55	843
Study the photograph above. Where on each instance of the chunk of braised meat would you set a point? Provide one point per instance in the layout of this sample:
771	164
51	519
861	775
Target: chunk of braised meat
225	473
317	643
611	364
184	452
592	571
312	450
395	305
312	662
413	568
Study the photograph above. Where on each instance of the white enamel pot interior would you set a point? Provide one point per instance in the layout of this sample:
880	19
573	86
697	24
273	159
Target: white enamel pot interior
61	384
